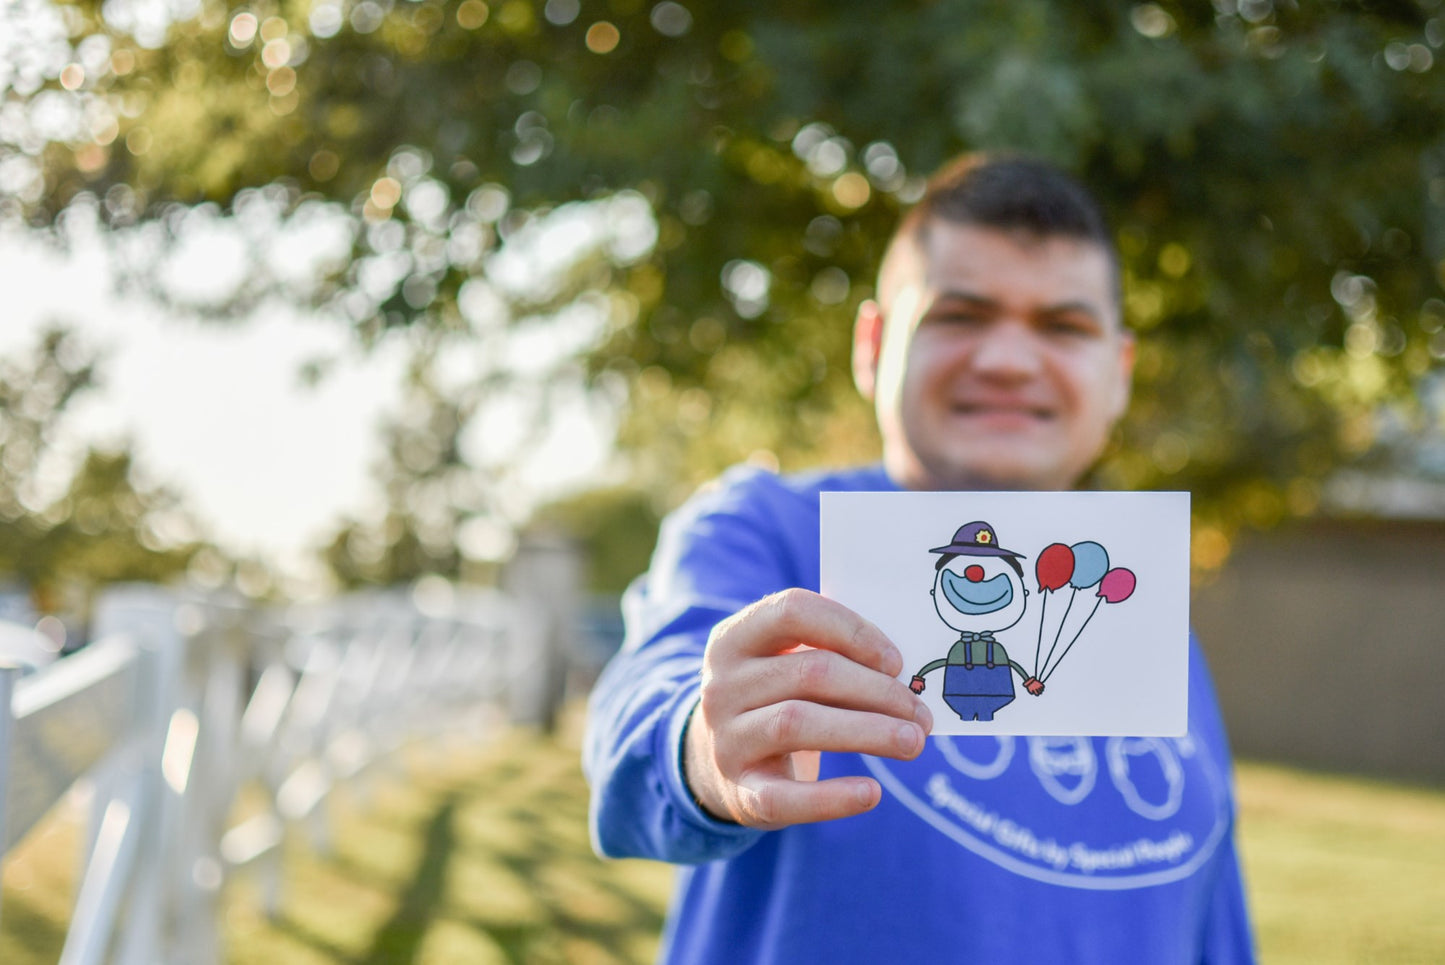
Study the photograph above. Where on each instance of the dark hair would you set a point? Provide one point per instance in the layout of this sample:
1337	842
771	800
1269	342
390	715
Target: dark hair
1006	193
1012	193
947	558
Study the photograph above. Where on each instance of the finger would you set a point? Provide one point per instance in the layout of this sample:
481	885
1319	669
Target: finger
798	725
824	677
799	617
805	765
770	802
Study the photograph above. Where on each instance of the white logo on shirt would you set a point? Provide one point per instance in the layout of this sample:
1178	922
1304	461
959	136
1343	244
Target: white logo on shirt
1052	820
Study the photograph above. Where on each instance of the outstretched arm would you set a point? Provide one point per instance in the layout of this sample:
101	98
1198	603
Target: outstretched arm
750	677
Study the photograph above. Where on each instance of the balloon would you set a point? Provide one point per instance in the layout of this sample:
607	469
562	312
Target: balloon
1117	585
1054	567
1091	562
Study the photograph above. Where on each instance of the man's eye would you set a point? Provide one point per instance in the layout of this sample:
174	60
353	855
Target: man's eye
958	318
1070	326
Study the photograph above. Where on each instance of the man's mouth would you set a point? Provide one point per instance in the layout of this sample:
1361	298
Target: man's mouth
1003	410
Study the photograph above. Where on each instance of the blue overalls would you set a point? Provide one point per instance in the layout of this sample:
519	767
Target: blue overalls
974	692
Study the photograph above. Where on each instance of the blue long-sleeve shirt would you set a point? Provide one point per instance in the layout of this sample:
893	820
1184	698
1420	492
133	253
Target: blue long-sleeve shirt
986	849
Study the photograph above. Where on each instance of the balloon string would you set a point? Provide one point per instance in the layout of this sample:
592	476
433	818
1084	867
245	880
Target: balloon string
1043	609
1049	673
1060	631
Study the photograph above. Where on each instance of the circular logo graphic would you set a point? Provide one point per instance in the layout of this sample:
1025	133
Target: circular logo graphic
1094	813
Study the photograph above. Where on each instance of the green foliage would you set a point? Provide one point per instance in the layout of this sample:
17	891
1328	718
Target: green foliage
1276	173
428	494
64	530
617	528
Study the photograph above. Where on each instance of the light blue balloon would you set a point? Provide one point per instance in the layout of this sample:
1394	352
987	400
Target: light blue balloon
1091	562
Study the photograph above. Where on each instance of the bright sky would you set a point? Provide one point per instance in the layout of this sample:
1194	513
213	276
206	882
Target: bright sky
216	411
219	412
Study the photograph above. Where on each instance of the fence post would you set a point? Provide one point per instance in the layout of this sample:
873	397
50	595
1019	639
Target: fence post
153	616
545	580
8	673
212	693
183	723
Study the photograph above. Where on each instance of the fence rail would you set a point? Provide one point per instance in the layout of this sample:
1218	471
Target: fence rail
183	704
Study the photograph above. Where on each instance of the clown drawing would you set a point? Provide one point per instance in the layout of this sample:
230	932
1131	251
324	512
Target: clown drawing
978	590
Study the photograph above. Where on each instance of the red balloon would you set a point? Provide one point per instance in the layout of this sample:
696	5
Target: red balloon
1054	567
1117	585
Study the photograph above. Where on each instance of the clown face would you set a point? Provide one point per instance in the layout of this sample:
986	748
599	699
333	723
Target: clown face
979	593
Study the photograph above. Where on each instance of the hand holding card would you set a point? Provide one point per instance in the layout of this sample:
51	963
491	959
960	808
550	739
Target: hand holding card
793	674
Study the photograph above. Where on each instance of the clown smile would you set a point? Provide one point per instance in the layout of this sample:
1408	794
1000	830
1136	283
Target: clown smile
984	596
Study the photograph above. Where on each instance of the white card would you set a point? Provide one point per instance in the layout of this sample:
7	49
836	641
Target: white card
1098	622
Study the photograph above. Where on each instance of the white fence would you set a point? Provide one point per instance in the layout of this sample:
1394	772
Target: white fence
182	704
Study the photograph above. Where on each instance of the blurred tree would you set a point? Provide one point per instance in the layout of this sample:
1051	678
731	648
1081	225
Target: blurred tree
616	527
429	493
68	530
1276	172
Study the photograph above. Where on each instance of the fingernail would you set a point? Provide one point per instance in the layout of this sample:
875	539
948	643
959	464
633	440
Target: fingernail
894	662
924	717
910	736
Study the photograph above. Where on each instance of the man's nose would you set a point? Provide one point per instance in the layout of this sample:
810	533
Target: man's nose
974	574
1008	348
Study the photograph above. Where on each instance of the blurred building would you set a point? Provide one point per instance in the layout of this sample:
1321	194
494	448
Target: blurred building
1326	642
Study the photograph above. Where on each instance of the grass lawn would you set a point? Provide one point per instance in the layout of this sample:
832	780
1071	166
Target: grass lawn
1342	870
480	854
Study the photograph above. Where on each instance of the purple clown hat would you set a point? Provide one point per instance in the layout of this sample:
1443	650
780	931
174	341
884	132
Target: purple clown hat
976	539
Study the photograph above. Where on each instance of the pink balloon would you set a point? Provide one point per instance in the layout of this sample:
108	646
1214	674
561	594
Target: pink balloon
1117	585
1054	567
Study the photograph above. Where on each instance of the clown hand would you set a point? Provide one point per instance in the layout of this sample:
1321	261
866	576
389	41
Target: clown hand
916	685
1034	686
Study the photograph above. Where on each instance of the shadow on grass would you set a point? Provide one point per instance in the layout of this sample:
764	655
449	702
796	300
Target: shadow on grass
37	936
581	898
475	855
610	933
397	940
298	932
522	814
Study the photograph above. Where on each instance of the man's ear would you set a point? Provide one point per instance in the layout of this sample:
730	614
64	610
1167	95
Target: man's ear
1126	374
867	346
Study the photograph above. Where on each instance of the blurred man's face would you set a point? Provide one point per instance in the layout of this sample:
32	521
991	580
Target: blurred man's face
999	362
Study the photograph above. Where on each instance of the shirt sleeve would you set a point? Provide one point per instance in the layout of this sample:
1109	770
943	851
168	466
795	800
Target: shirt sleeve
721	552
1228	935
1228	938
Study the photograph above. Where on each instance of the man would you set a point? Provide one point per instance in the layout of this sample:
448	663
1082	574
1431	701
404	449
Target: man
996	358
